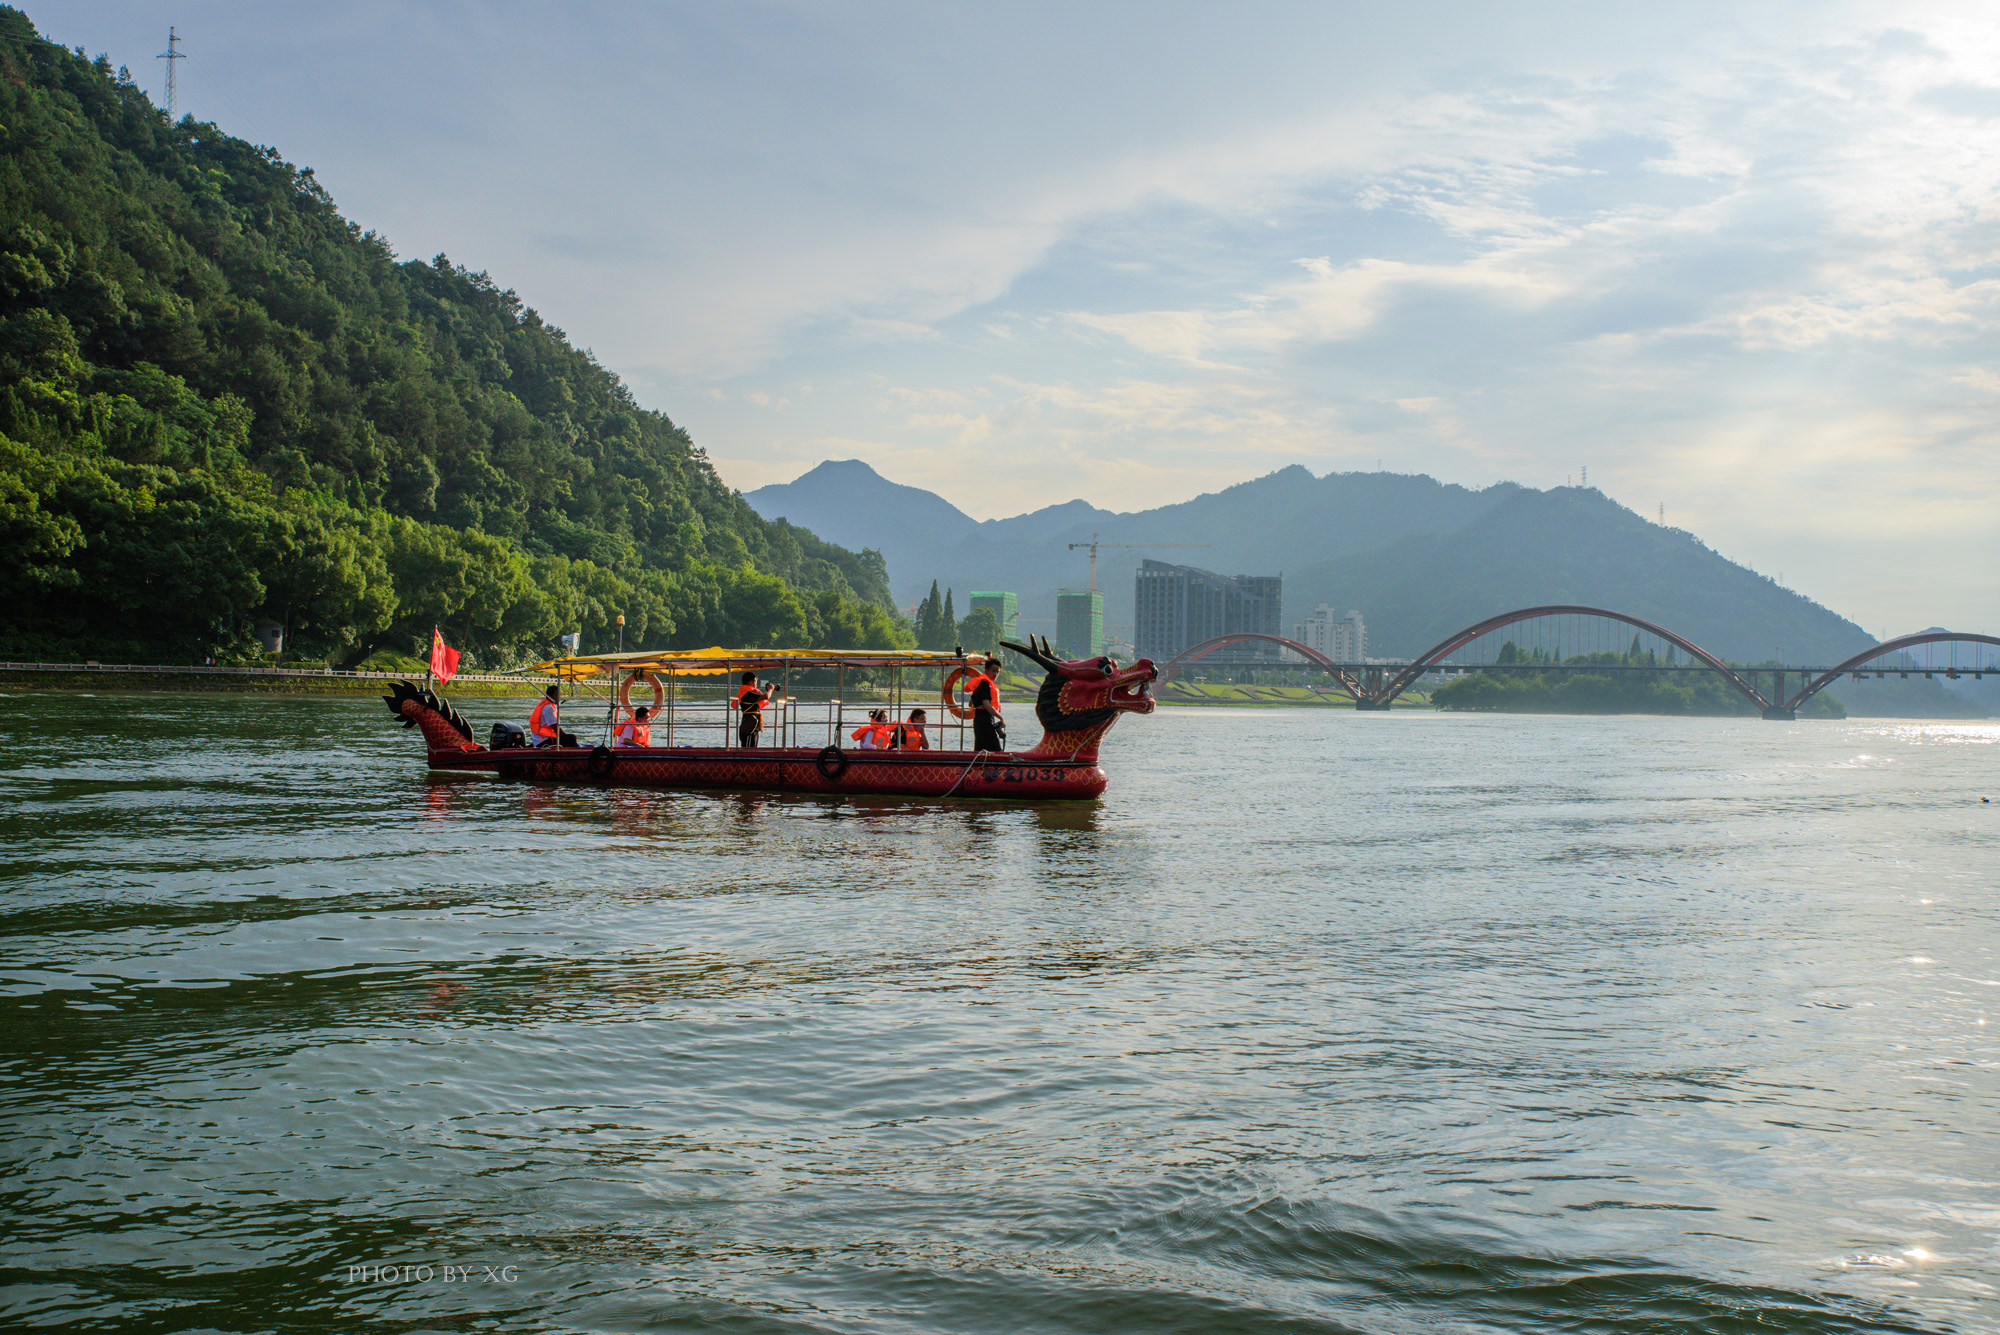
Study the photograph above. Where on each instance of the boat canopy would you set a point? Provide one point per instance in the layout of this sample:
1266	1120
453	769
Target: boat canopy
702	662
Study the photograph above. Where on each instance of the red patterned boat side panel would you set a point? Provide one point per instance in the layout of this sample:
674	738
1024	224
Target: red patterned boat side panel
912	774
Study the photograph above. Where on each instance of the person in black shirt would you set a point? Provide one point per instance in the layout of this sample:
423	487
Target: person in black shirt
750	704
989	730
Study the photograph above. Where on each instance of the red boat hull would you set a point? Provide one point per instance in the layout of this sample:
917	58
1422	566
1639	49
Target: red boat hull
793	769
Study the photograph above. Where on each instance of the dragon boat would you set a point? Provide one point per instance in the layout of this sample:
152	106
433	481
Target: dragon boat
1077	704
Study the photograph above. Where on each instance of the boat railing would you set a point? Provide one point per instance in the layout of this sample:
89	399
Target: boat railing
810	717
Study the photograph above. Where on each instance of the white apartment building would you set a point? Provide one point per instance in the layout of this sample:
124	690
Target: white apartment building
1342	638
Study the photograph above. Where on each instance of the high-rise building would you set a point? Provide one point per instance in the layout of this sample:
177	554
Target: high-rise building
1080	623
1005	609
1344	639
1177	607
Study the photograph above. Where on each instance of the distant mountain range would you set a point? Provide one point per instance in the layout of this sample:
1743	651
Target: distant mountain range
1417	557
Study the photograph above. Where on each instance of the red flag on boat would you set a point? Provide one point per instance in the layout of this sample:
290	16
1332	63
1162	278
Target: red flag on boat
444	658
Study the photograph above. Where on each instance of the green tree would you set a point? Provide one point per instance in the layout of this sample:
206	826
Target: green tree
839	623
325	578
929	612
980	632
760	612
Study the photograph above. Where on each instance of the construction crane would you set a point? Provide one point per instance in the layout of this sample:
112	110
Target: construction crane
1094	544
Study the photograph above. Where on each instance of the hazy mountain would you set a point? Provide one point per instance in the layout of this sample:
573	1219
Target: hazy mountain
847	496
1571	545
1269	524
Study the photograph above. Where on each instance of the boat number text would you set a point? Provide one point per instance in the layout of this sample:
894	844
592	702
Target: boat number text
1016	775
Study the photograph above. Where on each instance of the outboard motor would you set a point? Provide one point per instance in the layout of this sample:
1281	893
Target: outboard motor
505	735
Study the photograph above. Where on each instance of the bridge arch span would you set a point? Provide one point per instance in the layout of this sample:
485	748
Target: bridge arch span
1171	668
1821	682
1444	648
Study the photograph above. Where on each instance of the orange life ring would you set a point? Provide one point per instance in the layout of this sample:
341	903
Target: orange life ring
659	691
965	711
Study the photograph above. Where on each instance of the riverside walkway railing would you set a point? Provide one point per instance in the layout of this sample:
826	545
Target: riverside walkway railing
221	670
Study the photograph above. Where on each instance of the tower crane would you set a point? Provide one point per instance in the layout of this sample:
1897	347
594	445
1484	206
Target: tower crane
1094	544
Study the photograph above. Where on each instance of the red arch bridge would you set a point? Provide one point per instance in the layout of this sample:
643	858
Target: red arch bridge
1376	685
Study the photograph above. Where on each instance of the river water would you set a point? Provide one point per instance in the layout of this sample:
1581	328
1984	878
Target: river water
1320	1021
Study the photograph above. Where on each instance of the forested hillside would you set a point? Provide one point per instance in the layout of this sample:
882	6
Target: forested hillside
222	403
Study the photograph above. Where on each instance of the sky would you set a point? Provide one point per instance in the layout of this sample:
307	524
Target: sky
1739	262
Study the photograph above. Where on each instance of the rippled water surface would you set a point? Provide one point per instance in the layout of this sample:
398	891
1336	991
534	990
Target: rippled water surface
1318	1022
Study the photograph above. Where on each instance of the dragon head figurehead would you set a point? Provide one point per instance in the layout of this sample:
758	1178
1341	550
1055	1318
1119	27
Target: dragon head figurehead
1082	698
443	728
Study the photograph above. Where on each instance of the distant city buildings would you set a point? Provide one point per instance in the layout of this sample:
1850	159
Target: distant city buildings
1005	609
1079	623
1342	638
1177	607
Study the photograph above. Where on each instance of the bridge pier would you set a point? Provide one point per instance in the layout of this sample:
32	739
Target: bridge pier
1776	712
1366	703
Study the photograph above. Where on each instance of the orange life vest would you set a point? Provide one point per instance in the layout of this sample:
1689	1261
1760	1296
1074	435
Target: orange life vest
973	683
876	733
910	737
753	706
633	733
542	726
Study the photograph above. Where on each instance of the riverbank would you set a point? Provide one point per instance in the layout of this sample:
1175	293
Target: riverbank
266	681
1704	695
122	679
1198	694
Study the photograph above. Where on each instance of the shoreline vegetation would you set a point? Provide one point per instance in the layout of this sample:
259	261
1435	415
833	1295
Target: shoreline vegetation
1199	694
115	679
1628	689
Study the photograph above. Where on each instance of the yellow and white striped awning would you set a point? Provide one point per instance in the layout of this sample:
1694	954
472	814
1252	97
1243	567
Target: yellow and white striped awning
698	662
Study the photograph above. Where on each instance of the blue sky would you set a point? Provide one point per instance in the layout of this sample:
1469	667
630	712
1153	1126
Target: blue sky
1737	260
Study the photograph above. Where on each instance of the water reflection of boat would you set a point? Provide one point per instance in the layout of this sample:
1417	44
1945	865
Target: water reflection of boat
806	723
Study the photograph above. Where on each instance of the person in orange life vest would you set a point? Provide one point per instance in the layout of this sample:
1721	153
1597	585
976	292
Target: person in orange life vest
874	734
989	730
910	736
749	702
545	723
634	731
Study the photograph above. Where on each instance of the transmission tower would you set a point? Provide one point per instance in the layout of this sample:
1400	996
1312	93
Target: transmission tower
170	55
